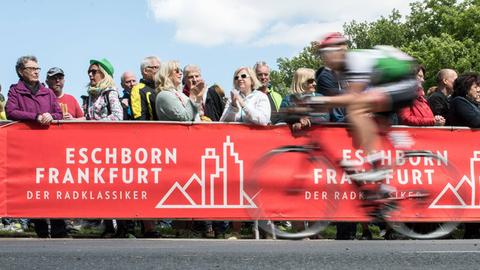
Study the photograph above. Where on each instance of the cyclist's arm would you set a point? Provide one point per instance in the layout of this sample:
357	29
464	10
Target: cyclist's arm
341	100
357	86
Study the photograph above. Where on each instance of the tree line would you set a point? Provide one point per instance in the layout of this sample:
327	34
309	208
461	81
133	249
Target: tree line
438	33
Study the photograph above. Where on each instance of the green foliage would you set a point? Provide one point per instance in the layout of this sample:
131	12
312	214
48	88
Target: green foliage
438	33
386	31
445	52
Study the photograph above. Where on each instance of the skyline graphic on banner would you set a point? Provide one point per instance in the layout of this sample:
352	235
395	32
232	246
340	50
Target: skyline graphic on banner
213	182
472	182
216	193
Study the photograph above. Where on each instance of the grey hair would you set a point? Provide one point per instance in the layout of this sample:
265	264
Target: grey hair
188	69
146	61
122	78
22	61
260	64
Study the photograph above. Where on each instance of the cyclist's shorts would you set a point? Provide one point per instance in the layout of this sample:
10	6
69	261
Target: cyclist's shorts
401	93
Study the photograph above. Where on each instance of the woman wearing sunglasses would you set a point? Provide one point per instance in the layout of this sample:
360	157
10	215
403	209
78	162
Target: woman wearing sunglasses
246	104
303	84
103	100
171	103
103	104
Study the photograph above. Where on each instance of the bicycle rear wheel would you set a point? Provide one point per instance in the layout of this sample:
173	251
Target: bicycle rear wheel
289	173
423	168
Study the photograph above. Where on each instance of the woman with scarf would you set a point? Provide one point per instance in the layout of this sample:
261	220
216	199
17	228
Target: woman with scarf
103	105
103	99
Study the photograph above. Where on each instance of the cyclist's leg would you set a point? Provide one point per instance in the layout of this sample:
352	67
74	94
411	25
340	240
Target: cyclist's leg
383	98
365	131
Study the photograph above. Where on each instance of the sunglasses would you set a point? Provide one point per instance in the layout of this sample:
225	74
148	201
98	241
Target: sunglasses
333	49
93	71
310	81
32	68
243	76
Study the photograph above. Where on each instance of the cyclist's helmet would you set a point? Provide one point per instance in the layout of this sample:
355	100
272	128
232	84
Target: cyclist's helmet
330	40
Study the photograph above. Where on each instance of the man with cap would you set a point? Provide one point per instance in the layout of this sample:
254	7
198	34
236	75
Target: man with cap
70	107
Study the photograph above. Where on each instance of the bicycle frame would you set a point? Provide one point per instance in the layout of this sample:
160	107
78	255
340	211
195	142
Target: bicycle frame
385	203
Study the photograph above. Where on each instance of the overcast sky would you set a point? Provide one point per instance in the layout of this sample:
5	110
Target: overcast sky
217	35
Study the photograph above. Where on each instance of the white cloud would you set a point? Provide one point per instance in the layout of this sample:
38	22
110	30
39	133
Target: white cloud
267	22
295	35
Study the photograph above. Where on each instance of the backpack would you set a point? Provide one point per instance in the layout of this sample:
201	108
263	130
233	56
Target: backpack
109	108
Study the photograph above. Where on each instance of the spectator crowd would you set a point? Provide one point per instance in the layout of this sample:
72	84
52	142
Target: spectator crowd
168	92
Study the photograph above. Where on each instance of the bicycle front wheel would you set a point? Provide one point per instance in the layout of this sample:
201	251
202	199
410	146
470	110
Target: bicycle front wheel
291	200
430	173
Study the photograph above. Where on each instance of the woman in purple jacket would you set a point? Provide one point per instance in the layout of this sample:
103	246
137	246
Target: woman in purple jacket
30	100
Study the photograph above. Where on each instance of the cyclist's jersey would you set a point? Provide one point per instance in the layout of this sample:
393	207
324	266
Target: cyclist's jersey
385	69
381	65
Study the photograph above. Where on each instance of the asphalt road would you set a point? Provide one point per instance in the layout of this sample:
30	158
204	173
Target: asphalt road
237	254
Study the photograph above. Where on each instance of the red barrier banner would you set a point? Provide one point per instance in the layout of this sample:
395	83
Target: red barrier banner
3	166
205	171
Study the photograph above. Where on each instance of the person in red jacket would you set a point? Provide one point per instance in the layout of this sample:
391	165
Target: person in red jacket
419	113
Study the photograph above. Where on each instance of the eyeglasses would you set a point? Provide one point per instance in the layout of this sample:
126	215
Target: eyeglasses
153	67
262	74
93	71
333	49
243	76
310	81
32	68
178	70
56	78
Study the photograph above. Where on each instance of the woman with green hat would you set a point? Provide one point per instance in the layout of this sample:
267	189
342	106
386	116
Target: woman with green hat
103	104
103	100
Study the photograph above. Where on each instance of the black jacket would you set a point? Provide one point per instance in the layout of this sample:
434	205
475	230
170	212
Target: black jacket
142	101
464	112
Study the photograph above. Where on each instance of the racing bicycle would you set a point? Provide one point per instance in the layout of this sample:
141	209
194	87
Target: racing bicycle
312	178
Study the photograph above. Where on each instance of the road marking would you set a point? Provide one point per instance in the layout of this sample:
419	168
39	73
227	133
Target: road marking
447	251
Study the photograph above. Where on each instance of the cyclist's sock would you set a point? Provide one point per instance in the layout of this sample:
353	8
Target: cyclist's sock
370	169
375	175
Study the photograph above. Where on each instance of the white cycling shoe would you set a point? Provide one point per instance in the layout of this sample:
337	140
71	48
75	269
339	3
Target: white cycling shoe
377	173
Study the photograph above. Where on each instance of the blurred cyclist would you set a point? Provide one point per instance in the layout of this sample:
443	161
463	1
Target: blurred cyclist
381	79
